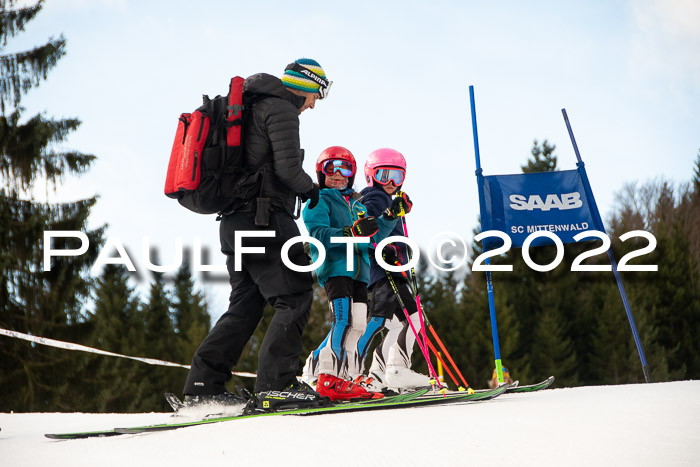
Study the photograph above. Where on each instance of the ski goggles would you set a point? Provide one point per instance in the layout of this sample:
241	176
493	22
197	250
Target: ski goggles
323	91
386	175
338	165
324	84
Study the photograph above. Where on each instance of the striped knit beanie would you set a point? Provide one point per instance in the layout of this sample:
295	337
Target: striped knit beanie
295	80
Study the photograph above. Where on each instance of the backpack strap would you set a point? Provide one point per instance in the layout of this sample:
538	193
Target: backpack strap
234	112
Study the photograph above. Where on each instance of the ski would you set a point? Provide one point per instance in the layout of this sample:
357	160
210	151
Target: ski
419	401
420	398
177	405
83	435
532	387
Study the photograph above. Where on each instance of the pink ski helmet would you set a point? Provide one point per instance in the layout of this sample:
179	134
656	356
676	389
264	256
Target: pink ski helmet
383	158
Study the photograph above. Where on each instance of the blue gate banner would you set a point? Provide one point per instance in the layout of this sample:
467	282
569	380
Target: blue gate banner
521	204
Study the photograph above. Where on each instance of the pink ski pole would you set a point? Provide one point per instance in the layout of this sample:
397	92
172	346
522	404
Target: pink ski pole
422	345
415	286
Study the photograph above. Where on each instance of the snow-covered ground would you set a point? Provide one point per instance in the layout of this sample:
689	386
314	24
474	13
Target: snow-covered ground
632	425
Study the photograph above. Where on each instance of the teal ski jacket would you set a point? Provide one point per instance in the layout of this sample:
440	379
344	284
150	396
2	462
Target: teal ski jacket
327	220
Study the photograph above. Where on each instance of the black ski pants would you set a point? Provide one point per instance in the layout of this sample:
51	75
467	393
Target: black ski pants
262	278
384	303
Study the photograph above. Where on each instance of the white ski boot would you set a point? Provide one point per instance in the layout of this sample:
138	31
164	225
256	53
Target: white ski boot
399	376
404	379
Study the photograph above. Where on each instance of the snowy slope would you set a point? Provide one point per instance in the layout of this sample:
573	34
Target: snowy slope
632	425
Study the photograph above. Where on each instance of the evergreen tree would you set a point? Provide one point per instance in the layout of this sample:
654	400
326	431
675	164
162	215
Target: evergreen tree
471	338
692	215
696	178
673	291
611	343
192	319
665	303
116	326
543	158
689	220
161	343
43	303
553	353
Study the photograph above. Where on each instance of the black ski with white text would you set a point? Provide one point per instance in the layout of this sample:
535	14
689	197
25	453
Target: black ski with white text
421	398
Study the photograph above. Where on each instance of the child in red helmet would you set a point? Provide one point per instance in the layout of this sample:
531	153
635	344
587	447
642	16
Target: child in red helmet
340	214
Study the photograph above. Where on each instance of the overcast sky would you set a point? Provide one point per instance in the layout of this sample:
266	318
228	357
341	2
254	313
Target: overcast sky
627	72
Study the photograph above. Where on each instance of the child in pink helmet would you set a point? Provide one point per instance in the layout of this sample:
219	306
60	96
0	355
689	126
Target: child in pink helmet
385	172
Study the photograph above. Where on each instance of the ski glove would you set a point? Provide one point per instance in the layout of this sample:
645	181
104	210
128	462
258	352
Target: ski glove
365	227
392	254
400	206
311	195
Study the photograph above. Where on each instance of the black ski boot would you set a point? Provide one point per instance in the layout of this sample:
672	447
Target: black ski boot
298	395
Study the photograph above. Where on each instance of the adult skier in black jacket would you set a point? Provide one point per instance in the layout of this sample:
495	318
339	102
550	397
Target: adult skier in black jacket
271	148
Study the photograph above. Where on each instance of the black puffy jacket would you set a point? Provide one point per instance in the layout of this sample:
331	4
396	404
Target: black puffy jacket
271	140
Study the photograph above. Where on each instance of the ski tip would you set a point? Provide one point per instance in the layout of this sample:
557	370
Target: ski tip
88	434
532	387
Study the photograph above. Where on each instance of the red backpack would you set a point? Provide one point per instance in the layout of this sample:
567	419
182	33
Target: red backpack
205	172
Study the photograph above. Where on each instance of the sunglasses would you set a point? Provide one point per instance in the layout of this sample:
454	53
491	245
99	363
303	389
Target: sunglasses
386	175
338	165
325	85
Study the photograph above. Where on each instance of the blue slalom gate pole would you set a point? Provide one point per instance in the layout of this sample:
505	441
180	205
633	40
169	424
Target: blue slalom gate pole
613	263
489	281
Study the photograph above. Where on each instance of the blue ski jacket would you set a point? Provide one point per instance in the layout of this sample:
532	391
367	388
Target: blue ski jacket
376	200
334	211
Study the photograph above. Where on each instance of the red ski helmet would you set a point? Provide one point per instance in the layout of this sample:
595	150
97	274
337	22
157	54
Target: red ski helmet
335	153
383	158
